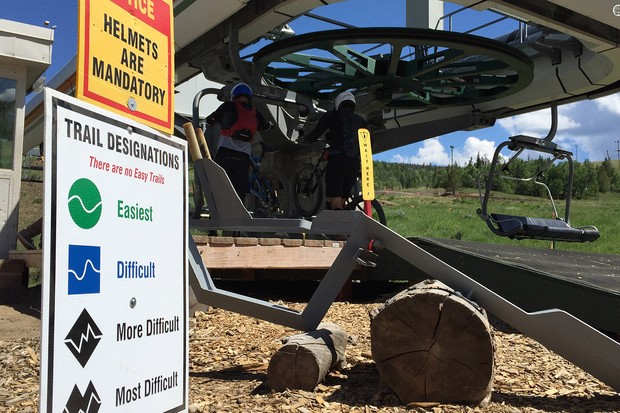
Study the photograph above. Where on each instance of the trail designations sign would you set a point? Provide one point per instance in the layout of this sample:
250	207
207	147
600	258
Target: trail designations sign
125	59
114	313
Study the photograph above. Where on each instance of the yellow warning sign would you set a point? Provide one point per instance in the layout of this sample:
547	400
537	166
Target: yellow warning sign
125	58
368	180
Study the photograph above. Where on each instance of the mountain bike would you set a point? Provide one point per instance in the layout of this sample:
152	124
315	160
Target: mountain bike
268	189
309	189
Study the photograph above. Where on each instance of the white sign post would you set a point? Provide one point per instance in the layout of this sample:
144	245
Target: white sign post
114	319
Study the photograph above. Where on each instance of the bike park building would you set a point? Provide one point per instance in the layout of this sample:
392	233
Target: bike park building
25	54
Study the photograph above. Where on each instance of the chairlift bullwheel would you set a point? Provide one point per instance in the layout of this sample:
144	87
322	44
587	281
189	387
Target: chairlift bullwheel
398	67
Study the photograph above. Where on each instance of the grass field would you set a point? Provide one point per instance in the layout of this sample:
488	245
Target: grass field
426	213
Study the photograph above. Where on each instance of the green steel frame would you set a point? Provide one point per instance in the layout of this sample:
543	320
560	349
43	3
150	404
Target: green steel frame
402	67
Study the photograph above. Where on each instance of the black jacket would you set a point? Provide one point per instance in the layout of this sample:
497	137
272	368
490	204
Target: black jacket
343	125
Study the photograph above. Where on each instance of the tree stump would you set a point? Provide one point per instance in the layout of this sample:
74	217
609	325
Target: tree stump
305	359
432	345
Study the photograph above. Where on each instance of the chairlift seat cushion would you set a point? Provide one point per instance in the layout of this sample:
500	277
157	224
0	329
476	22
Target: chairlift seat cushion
519	227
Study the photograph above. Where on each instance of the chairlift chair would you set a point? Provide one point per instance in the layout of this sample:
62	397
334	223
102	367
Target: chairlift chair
521	227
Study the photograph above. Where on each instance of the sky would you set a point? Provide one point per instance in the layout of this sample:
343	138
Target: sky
588	128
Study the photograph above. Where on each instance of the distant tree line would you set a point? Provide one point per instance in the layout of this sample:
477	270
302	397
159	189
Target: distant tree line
589	179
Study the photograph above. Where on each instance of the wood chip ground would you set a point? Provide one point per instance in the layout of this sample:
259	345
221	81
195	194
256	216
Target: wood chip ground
230	353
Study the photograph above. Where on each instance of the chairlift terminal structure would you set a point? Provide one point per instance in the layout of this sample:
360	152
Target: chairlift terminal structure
411	84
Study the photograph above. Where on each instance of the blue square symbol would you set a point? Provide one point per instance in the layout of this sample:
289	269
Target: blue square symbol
84	269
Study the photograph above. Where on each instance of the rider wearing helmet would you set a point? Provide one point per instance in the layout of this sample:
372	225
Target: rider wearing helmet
347	98
239	121
343	166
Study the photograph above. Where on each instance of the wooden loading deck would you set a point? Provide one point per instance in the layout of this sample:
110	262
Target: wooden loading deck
236	258
267	253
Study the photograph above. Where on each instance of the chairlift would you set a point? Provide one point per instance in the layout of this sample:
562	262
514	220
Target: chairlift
521	227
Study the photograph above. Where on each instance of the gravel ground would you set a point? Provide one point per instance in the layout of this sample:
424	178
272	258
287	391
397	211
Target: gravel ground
230	353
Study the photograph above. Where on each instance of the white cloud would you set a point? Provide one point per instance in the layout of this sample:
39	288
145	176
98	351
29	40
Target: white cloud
609	103
538	123
472	148
431	152
587	128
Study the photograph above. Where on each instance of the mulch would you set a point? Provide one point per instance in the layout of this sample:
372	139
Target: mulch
230	353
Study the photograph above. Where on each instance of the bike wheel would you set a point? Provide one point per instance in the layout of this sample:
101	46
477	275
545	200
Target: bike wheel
256	201
356	203
308	190
275	190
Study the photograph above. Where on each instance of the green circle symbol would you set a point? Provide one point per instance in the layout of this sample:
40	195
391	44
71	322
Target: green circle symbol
84	203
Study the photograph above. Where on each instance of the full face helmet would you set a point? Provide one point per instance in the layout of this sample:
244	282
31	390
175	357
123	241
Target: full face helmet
240	89
345	97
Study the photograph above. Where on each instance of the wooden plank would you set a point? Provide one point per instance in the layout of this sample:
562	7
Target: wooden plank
242	252
239	257
292	255
31	258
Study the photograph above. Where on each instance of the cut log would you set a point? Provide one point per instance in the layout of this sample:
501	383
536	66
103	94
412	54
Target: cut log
432	345
305	359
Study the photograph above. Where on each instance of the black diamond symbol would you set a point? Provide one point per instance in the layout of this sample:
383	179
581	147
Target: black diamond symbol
83	338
